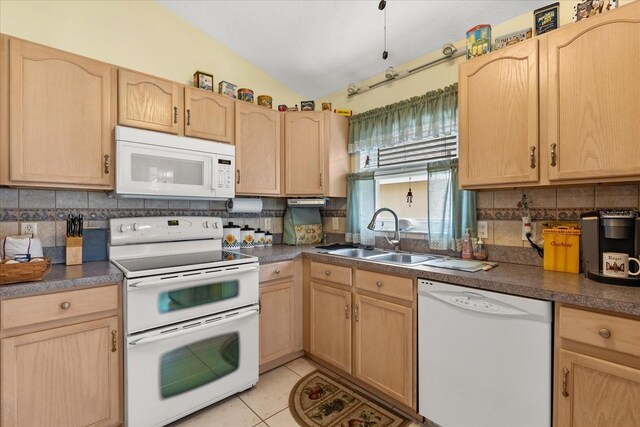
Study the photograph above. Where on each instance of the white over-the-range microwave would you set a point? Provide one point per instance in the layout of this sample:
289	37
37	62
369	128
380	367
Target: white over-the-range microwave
158	165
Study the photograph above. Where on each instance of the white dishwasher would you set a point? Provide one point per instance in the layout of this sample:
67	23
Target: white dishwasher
484	358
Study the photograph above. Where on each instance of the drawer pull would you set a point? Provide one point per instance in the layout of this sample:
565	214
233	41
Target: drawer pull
327	273
114	341
276	271
605	333
532	156
565	374
346	310
65	305
553	155
356	313
379	284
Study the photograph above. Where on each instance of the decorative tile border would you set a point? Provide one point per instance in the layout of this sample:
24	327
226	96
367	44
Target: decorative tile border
502	214
333	213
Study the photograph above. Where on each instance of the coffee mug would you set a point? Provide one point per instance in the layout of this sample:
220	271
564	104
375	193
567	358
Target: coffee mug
615	264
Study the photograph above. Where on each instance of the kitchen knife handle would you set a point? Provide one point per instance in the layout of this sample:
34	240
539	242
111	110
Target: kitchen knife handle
553	155
565	374
106	164
188	117
175	115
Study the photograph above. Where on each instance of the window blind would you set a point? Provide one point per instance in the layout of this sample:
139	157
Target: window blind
411	154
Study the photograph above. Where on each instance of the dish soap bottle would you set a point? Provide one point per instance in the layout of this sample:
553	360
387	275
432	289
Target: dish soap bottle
467	247
480	252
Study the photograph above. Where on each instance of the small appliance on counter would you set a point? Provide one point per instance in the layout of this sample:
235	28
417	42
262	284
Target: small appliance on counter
609	232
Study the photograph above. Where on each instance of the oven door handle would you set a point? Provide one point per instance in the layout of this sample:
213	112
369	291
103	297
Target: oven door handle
201	327
213	274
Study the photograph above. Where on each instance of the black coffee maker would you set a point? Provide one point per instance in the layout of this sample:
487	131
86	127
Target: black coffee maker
609	231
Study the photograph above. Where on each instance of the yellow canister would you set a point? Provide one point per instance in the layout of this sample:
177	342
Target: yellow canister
265	101
562	248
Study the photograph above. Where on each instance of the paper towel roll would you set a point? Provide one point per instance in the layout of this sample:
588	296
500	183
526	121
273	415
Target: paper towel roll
244	205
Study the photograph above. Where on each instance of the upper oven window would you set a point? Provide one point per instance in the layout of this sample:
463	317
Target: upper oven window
180	299
197	364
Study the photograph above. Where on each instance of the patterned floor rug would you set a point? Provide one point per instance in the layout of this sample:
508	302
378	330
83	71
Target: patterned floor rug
318	400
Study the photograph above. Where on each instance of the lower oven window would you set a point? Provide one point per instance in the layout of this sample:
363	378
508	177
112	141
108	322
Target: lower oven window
199	363
190	297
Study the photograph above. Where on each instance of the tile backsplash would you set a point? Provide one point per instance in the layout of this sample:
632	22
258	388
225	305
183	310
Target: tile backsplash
49	209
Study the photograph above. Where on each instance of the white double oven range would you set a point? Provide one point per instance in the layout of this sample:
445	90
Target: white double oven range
190	316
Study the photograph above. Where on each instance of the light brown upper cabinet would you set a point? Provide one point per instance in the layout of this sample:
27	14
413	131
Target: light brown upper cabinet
258	151
208	115
156	104
149	102
593	104
316	159
587	131
498	108
61	112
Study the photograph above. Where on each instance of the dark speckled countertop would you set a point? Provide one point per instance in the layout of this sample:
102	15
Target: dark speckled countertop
513	279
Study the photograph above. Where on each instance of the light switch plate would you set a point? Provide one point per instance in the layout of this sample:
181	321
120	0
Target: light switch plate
335	224
267	223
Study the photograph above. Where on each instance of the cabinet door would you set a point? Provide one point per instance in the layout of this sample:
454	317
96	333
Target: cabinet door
593	97
276	321
149	102
208	115
257	150
304	153
64	377
498	105
598	393
60	118
384	347
330	325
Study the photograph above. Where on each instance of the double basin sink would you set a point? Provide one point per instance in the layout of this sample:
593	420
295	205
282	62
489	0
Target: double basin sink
380	255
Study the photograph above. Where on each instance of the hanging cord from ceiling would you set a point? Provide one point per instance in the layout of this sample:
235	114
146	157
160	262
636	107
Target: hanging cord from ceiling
383	6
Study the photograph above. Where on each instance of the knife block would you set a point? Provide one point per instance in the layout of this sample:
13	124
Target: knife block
74	250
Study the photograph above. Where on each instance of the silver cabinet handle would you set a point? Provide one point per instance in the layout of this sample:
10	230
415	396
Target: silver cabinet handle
188	117
356	313
114	341
320	180
604	333
379	284
346	311
106	164
65	305
532	156
238	180
175	115
565	374
259	306
553	155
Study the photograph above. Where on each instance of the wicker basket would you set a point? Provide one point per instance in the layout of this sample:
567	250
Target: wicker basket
24	271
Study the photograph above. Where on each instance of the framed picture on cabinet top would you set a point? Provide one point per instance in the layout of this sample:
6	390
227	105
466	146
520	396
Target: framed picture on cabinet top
588	8
203	80
546	18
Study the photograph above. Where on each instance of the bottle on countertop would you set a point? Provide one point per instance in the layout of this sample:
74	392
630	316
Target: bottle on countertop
480	252
467	246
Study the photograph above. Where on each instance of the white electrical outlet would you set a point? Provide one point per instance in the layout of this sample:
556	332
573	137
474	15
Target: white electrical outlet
483	229
533	232
267	223
29	228
335	224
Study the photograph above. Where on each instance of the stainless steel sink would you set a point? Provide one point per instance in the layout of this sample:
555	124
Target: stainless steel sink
401	258
357	252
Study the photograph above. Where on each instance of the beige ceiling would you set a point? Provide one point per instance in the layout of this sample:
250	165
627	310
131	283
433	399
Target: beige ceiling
318	47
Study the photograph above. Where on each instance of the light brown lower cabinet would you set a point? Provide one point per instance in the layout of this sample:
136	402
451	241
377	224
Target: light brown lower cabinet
597	373
383	346
280	313
366	330
61	366
330	325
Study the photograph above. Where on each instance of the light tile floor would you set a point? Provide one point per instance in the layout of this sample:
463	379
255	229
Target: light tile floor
265	405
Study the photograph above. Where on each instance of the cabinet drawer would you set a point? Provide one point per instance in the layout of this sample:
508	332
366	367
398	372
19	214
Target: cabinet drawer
385	284
600	330
331	273
277	270
62	305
